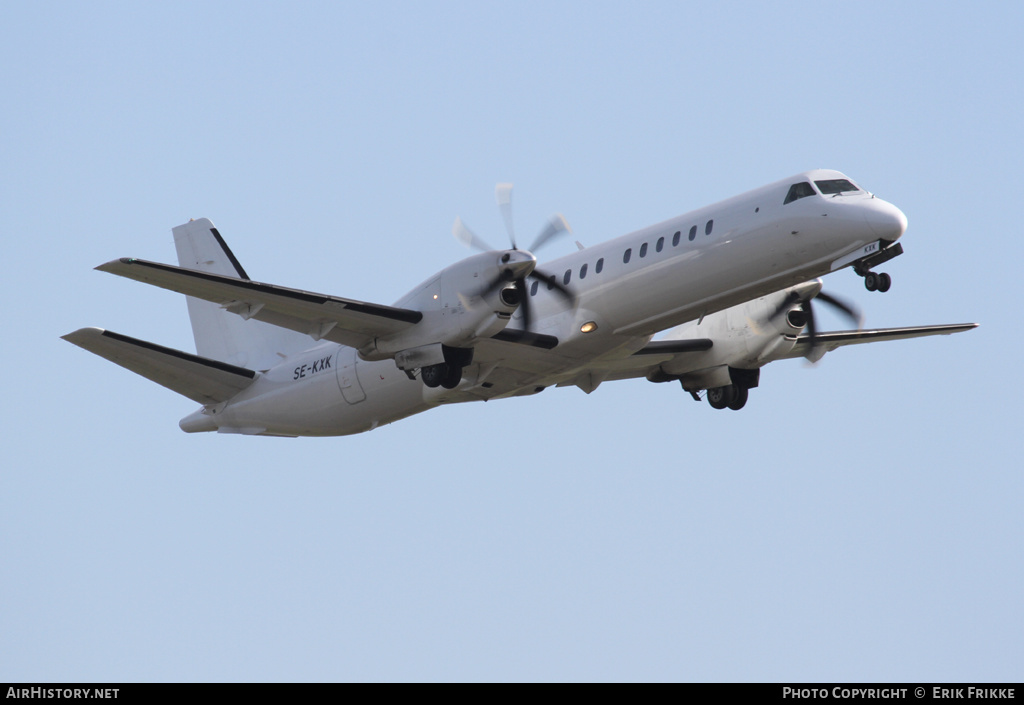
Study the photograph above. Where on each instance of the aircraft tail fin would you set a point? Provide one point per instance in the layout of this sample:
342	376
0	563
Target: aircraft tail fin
220	334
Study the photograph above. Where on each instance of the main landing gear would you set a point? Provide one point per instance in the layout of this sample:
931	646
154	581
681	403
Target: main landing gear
441	375
731	396
447	374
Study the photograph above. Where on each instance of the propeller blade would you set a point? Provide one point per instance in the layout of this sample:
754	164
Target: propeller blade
552	283
498	282
812	331
556	226
851	311
791	299
524	304
467	237
503	193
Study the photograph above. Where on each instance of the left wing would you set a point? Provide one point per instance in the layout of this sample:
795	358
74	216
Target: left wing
827	342
687	356
346	321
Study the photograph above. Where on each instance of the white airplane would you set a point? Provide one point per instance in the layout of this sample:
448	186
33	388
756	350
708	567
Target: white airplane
732	284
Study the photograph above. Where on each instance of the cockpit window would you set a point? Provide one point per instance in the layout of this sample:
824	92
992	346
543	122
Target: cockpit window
833	186
801	190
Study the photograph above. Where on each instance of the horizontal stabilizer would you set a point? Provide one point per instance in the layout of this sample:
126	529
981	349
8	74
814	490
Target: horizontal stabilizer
198	378
346	321
830	341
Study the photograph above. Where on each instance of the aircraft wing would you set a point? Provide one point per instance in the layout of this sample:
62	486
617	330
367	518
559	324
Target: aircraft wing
198	378
346	321
830	341
514	363
529	370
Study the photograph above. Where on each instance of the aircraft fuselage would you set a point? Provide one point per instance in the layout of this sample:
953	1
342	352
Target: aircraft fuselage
626	290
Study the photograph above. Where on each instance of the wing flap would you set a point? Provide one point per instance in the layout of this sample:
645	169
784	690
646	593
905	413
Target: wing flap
198	378
346	321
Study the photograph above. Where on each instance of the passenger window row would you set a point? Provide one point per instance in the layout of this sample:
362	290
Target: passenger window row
626	256
598	268
660	244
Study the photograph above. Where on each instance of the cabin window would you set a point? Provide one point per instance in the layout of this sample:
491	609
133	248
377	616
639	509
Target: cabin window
798	191
707	228
567	276
599	266
660	245
533	287
583	272
833	186
693	233
626	255
643	250
675	238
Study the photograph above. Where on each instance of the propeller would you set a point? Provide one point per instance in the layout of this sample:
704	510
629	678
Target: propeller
555	226
804	300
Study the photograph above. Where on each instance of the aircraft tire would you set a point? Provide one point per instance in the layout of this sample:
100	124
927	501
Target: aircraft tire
433	375
871	281
452	376
721	397
740	398
884	282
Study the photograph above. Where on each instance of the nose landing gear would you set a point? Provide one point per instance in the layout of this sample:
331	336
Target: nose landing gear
877	281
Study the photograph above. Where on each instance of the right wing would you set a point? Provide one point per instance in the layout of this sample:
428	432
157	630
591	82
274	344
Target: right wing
346	321
198	378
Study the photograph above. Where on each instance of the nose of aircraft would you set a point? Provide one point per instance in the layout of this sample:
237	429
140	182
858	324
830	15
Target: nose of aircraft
886	220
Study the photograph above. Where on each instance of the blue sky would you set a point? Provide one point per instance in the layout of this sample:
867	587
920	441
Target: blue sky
858	520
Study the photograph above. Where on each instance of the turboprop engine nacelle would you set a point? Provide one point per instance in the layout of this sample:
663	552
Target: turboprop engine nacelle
746	336
469	301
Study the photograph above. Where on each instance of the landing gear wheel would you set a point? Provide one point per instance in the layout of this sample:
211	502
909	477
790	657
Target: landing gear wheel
721	397
740	400
871	281
433	375
452	377
884	282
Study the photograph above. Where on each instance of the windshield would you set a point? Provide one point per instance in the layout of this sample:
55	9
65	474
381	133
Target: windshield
833	186
800	190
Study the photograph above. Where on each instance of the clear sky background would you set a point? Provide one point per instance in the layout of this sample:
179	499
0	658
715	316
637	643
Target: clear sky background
858	520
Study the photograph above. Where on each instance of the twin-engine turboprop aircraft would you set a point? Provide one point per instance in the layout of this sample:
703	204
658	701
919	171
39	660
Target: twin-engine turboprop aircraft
732	284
